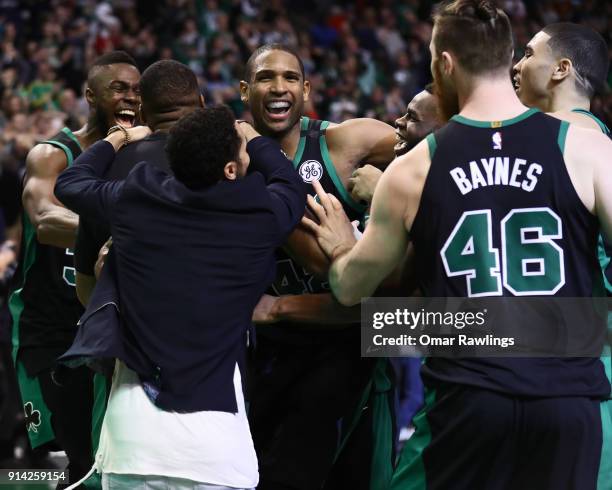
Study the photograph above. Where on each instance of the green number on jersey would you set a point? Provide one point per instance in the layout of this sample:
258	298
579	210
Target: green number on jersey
469	251
532	262
69	273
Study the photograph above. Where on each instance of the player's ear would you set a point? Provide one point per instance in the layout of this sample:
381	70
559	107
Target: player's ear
244	92
306	90
562	70
89	96
448	63
231	170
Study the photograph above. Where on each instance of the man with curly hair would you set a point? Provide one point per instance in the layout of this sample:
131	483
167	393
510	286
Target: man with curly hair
192	254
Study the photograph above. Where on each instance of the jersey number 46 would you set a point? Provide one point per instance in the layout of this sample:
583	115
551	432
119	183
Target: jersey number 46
531	262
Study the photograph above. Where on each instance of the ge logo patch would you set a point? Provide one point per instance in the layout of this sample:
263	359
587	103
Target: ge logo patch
311	171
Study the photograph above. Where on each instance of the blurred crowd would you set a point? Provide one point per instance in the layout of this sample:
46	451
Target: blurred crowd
363	58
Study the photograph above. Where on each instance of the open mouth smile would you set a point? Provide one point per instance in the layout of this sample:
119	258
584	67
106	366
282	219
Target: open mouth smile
125	118
278	109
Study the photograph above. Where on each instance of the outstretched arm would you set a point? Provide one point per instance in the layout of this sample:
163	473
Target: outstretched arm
81	187
282	182
363	140
311	309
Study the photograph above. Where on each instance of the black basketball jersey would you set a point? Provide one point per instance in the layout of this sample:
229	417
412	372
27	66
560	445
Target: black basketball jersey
313	162
499	216
44	307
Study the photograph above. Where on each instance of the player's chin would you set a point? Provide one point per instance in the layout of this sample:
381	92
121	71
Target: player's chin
279	126
401	148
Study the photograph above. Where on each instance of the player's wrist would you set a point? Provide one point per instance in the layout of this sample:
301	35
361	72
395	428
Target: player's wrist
117	136
339	251
276	312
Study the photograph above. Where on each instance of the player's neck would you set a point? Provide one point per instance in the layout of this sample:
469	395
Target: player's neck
290	140
89	134
566	99
163	121
489	99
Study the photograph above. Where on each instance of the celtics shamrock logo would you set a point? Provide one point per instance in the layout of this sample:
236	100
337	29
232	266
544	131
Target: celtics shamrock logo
32	417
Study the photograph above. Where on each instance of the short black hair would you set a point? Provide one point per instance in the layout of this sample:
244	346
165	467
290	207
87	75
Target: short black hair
110	58
248	70
200	144
168	84
113	58
587	51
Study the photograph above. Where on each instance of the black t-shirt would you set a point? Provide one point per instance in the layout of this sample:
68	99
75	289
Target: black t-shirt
92	235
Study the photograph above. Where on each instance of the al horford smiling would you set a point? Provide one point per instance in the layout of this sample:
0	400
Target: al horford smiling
496	171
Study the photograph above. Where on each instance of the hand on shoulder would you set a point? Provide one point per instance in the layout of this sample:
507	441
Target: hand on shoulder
118	136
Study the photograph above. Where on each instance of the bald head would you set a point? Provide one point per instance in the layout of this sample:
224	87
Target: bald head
169	90
420	120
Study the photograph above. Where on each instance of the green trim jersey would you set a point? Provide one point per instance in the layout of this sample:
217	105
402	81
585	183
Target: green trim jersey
605	253
604	129
313	162
605	249
499	216
44	306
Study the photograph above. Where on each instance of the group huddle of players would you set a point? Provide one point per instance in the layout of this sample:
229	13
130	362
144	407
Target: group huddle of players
320	416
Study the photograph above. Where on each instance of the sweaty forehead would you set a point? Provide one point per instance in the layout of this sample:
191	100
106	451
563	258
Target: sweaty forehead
277	61
422	103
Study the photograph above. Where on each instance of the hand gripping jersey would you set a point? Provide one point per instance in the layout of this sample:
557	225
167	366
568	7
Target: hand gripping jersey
500	216
44	306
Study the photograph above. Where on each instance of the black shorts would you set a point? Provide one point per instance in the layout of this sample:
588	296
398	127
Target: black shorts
299	398
475	439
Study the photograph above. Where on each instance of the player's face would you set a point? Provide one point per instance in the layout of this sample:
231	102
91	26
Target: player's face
532	74
116	96
445	92
276	92
418	122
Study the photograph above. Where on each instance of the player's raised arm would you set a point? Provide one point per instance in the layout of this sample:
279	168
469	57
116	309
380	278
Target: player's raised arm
364	140
314	309
54	224
302	246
